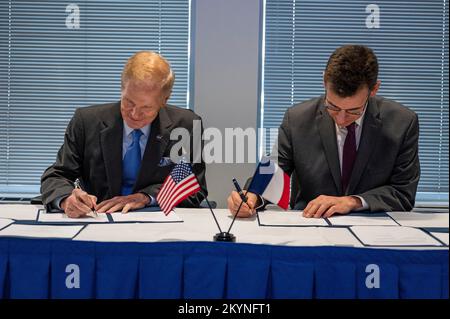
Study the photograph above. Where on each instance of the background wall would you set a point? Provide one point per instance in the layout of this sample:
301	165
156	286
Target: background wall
225	77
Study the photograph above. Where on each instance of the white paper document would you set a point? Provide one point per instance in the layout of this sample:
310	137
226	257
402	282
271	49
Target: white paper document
443	237
5	222
393	236
141	232
289	218
149	217
298	236
63	218
357	220
338	237
40	231
424	220
19	211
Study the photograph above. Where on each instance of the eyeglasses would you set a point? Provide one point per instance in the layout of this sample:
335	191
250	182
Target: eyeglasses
352	111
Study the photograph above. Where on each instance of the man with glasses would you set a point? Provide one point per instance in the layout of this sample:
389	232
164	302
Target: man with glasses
120	151
349	149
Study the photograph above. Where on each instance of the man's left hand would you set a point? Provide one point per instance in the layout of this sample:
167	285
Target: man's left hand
326	206
123	203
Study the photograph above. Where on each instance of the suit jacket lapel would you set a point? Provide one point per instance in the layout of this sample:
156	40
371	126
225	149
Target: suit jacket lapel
156	145
327	133
111	145
369	136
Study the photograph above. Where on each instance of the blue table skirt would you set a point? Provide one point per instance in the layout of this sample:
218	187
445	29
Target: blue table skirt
36	268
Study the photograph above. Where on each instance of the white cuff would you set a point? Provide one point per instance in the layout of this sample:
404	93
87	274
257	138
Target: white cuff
365	206
152	201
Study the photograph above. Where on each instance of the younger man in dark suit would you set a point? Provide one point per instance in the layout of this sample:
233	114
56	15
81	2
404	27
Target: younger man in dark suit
350	149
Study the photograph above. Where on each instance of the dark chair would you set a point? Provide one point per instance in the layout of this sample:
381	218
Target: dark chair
36	200
204	204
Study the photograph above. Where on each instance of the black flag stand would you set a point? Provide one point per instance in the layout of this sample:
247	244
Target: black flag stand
212	212
227	236
237	212
221	236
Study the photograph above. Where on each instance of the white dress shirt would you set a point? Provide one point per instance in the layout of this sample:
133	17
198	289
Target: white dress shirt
128	138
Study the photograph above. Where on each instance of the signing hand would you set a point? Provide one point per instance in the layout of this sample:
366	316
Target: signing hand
123	203
78	204
326	206
247	209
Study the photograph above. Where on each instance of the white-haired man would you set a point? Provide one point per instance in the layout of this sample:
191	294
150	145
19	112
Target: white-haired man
119	150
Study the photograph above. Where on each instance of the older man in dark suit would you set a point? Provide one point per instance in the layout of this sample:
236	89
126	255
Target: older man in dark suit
121	151
349	149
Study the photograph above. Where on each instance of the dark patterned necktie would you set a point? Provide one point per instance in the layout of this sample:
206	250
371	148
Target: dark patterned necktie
348	156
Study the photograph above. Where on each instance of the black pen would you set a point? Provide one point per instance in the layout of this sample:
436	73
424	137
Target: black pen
77	185
239	190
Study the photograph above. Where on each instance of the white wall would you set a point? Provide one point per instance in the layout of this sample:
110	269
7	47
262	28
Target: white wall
225	77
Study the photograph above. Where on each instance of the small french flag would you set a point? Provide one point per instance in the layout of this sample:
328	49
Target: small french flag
271	182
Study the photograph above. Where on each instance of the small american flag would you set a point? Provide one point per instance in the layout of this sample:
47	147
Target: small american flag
180	184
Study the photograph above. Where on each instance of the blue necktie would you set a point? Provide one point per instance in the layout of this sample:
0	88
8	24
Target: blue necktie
131	163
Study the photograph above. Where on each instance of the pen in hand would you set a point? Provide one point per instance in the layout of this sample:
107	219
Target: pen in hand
244	200
77	185
239	190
